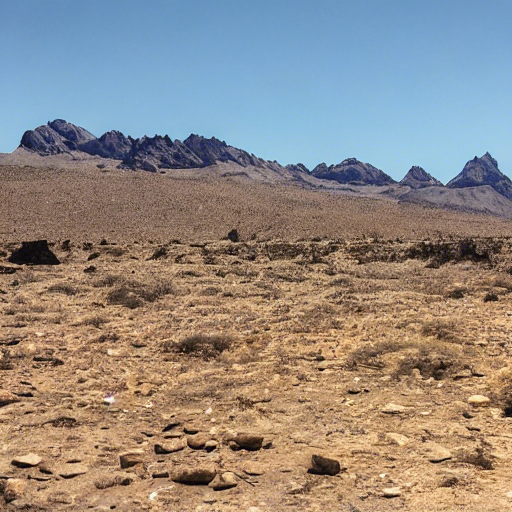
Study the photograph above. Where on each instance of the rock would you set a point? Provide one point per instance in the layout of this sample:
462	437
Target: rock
323	466
223	481
391	492
233	236
34	253
172	446
249	441
72	470
190	428
436	453
398	439
393	409
211	445
198	441
14	488
27	461
479	401
6	398
131	458
252	468
199	475
106	481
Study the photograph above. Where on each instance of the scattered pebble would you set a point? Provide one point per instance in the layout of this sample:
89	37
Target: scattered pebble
249	441
393	409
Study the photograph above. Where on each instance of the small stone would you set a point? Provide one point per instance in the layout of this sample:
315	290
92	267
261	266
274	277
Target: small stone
72	470
131	458
436	453
252	468
201	475
198	441
6	398
398	439
393	409
295	381
249	441
479	401
14	488
211	445
323	466
509	495
464	374
108	481
175	445
190	428
391	492
223	481
27	461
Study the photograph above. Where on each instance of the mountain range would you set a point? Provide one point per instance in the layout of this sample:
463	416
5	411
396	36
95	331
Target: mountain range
480	186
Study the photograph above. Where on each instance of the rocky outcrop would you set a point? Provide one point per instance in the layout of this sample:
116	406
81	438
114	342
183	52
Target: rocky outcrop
298	168
111	144
153	153
352	171
417	177
483	171
213	150
55	137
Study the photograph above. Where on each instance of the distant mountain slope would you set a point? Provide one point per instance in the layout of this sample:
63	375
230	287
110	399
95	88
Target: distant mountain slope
483	171
352	171
417	177
481	199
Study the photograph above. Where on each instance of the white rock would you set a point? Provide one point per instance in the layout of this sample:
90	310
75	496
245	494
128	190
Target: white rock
393	409
479	401
391	492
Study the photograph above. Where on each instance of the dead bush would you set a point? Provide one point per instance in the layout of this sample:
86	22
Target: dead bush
480	457
371	355
432	360
6	360
64	288
456	293
96	321
444	330
204	345
132	294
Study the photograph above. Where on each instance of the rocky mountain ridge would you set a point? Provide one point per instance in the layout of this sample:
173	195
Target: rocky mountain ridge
161	152
352	171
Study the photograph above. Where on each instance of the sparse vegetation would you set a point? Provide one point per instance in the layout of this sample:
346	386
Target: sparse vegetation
444	330
205	346
65	288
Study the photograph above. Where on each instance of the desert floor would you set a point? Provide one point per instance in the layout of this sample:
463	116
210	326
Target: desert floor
354	329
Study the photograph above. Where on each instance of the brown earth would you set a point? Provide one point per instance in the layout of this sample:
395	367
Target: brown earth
334	328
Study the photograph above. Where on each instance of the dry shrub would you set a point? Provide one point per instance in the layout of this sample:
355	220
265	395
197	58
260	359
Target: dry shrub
432	360
5	360
96	321
444	330
481	457
204	345
456	293
371	355
107	281
132	294
64	288
503	282
116	252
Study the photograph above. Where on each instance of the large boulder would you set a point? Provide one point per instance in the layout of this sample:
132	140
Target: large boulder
34	253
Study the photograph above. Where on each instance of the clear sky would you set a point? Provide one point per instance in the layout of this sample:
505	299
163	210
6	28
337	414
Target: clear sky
394	83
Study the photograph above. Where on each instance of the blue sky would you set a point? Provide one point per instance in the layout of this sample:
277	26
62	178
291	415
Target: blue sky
393	83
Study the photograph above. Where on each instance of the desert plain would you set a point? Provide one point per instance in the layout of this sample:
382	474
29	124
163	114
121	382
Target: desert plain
163	366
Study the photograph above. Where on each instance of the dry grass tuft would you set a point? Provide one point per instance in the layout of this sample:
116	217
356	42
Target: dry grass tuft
444	330
64	288
205	346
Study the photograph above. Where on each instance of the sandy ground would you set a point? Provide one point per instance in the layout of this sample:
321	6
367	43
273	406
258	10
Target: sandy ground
363	345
